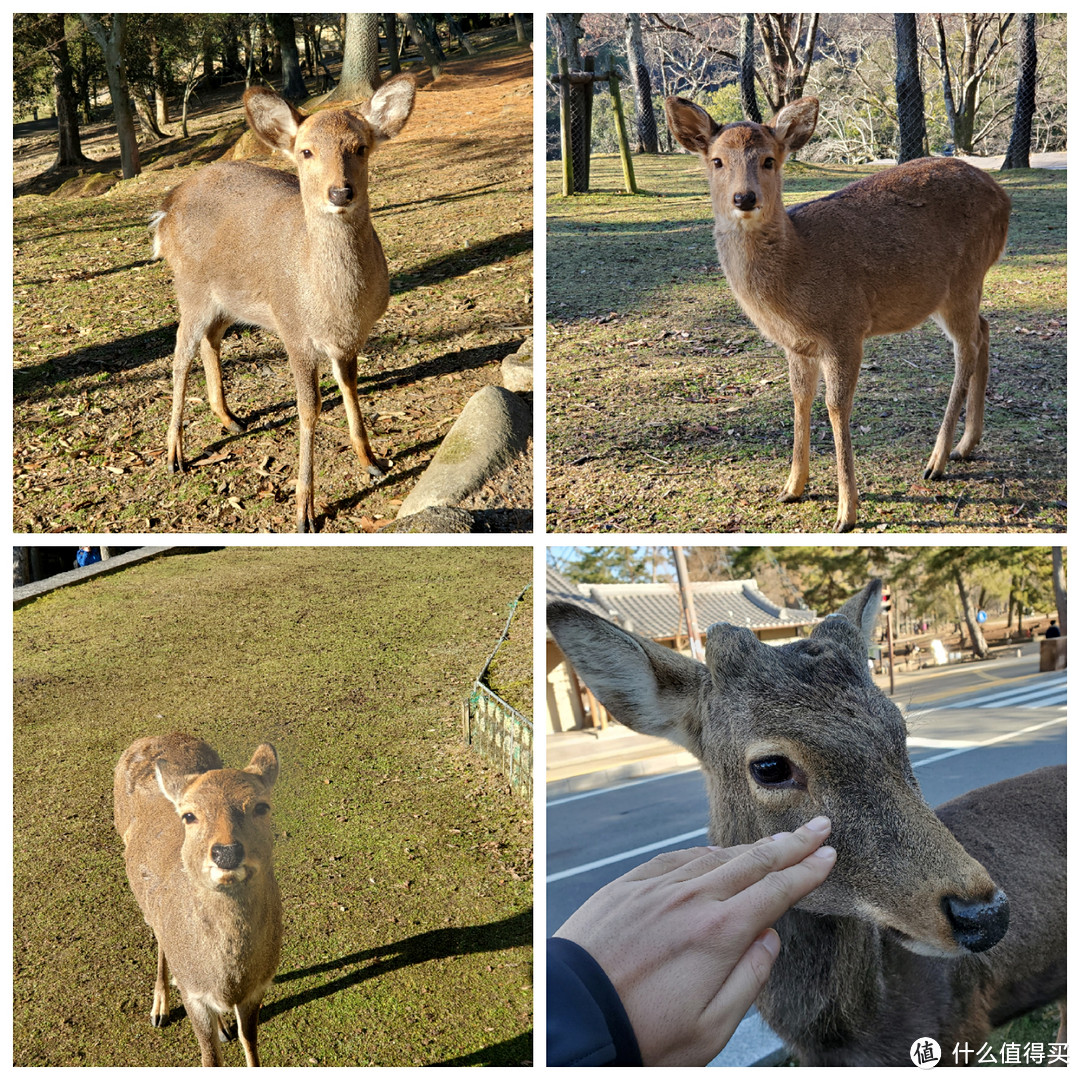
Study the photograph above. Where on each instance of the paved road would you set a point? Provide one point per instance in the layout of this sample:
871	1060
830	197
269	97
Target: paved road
969	726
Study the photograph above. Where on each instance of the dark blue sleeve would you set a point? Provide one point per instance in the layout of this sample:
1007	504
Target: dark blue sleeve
586	1021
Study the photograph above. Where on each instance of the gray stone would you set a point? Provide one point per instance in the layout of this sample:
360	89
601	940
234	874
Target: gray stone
517	370
494	426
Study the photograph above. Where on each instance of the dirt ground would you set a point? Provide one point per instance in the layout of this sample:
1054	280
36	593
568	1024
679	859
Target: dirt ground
95	324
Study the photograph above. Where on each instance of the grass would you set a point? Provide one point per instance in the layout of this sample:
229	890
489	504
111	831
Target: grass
404	861
667	410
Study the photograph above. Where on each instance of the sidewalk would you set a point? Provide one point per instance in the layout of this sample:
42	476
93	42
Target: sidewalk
585	760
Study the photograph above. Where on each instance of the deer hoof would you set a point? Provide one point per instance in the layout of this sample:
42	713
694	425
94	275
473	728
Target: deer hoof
234	426
375	472
786	496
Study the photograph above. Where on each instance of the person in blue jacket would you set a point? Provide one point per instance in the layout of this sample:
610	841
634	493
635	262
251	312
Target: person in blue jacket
659	966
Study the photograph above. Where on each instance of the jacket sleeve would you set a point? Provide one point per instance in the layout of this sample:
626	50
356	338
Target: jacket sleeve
586	1021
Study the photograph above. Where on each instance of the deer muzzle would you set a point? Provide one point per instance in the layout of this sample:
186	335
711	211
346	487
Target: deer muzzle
977	925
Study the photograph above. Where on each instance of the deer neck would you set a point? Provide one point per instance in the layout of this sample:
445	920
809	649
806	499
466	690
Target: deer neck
342	258
764	262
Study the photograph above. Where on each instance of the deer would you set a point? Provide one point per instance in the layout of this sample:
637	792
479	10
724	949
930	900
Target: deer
198	847
877	257
936	924
294	254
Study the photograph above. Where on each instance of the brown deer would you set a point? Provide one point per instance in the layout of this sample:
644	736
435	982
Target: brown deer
296	255
930	925
880	256
199	853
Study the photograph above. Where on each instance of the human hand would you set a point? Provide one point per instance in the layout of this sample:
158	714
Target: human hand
686	940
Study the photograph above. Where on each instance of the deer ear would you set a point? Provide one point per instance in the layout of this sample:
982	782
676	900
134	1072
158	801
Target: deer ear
691	125
862	610
172	782
390	106
272	119
264	764
649	688
795	123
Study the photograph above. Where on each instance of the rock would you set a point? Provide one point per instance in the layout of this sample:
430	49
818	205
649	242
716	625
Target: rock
517	370
494	426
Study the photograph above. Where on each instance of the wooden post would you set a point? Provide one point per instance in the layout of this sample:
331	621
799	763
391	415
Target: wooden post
564	127
620	128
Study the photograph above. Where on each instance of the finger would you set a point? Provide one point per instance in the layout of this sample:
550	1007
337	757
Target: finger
770	897
665	863
758	860
742	986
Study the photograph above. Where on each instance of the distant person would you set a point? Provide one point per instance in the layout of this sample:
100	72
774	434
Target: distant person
86	556
1053	630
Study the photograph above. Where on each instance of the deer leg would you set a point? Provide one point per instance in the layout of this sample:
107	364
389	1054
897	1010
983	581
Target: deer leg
204	1022
965	334
308	406
210	348
187	335
159	1011
345	373
976	397
841	374
247	1026
804	374
1062	1036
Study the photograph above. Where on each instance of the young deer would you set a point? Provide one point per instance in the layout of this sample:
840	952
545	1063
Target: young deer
937	925
880	256
199	853
296	255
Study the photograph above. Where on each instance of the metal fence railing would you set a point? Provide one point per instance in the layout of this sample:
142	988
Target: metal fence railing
495	729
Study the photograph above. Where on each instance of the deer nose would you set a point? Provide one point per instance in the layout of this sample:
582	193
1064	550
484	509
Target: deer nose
341	196
744	200
227	856
978	926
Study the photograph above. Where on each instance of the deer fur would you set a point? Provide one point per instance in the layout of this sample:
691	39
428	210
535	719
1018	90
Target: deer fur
930	924
199	852
878	257
296	255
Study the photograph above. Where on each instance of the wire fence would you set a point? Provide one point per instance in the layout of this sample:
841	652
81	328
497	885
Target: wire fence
496	730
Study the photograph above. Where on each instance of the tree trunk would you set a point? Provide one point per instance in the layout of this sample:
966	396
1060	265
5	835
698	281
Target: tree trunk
70	152
423	44
390	28
161	89
978	642
455	28
113	45
360	63
639	77
1060	594
519	27
146	115
292	80
909	93
1018	155
747	90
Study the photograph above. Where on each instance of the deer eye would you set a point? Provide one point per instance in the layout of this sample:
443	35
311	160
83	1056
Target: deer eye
189	818
307	154
768	163
262	809
717	162
775	772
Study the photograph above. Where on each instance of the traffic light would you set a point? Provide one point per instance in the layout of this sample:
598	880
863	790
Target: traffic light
886	601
